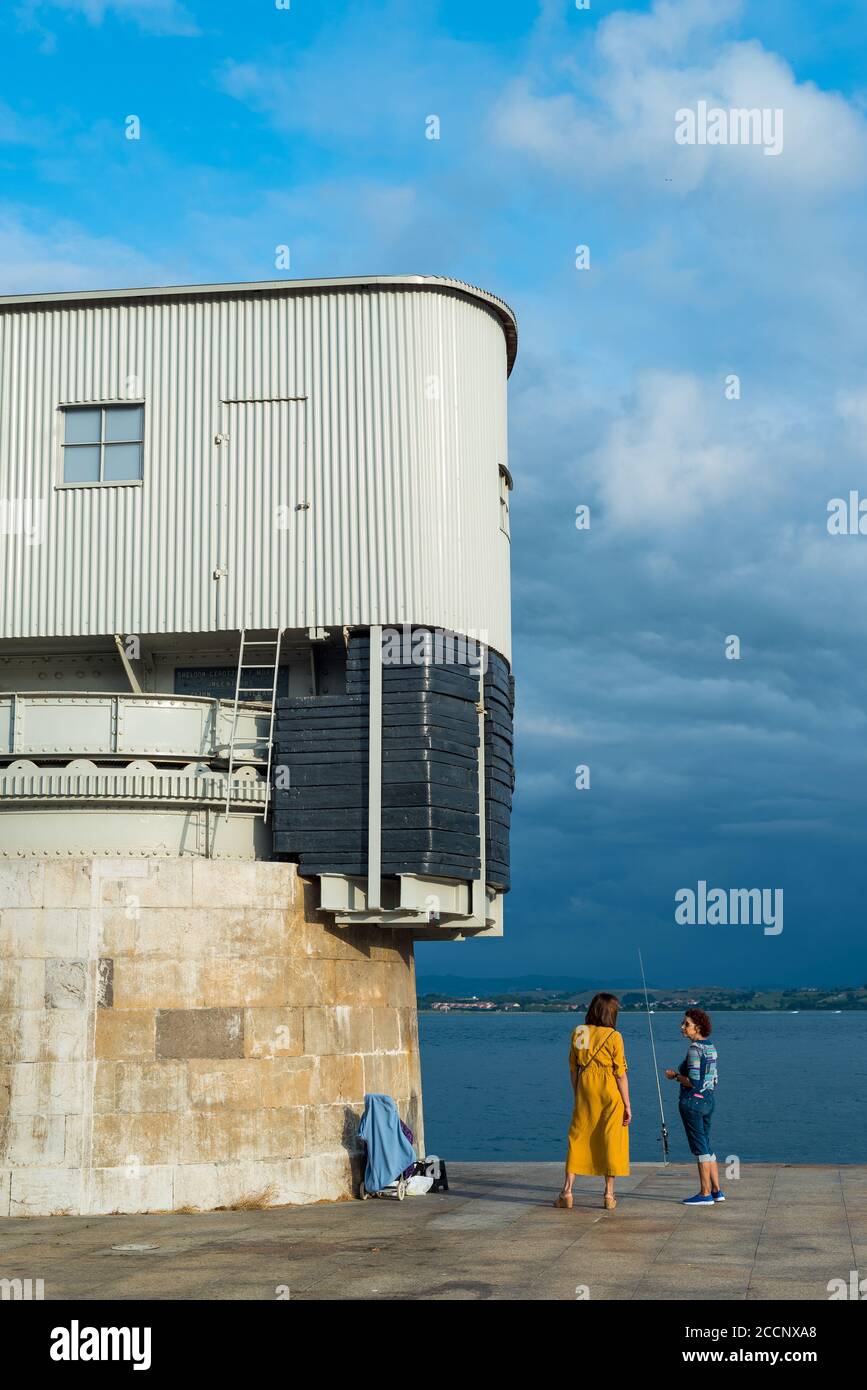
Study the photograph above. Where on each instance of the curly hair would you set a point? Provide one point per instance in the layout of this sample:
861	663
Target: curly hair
701	1021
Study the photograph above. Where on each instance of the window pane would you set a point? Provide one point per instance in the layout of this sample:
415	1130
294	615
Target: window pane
121	461
123	422
81	464
82	426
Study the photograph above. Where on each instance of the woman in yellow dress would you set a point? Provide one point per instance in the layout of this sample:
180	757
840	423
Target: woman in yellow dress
598	1134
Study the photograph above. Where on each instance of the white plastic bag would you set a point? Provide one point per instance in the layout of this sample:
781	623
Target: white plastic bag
418	1185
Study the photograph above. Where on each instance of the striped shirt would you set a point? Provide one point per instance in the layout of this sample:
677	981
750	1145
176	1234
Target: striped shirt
699	1065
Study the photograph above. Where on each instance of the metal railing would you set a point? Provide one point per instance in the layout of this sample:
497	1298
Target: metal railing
164	727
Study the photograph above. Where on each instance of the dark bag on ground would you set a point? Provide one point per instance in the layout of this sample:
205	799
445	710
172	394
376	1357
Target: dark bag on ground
434	1167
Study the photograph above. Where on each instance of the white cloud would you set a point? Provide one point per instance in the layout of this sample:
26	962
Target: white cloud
16	129
669	459
366	83
328	94
63	256
852	407
153	16
332	227
617	112
628	39
543	726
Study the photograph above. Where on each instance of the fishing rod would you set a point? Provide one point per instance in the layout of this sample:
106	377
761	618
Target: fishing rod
664	1130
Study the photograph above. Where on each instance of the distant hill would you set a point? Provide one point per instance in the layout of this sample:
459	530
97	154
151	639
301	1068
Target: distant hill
558	993
462	987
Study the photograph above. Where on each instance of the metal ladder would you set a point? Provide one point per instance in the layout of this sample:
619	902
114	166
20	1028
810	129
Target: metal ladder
260	690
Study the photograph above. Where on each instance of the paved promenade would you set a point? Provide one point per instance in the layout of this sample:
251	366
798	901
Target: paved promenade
783	1234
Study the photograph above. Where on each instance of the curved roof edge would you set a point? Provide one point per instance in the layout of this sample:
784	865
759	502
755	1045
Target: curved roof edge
499	307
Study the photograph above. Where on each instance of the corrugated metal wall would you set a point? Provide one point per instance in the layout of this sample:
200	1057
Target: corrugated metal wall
392	460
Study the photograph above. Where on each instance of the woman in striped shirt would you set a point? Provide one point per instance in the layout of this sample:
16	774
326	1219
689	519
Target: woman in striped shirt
698	1079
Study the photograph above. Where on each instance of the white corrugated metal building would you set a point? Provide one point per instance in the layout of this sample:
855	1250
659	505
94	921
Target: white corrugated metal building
376	406
184	470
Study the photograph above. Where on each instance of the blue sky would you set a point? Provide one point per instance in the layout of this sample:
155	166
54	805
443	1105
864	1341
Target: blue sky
262	126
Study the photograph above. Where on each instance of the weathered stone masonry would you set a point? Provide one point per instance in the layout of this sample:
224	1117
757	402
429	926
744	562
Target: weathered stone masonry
189	1033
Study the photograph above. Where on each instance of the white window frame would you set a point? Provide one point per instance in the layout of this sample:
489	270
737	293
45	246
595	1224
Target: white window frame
102	405
505	487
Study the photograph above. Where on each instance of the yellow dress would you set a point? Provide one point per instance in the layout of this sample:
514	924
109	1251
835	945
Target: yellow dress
598	1138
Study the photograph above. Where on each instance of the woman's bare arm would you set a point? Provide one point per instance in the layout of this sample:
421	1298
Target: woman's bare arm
623	1088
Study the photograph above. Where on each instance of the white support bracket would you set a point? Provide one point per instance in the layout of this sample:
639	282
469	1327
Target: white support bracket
374	776
480	901
130	673
407	902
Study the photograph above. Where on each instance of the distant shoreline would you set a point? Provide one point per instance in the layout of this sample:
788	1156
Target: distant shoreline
809	1001
580	1008
564	993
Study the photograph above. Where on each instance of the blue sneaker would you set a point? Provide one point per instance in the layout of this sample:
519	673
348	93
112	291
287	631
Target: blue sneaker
719	1195
698	1201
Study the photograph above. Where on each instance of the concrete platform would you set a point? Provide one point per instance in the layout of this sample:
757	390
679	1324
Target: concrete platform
783	1234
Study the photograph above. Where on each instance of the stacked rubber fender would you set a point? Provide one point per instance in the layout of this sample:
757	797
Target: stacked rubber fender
499	769
430	771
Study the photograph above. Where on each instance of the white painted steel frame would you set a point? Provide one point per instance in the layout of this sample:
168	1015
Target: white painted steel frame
374	775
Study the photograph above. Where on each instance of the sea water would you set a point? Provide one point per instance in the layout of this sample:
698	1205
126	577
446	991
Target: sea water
792	1086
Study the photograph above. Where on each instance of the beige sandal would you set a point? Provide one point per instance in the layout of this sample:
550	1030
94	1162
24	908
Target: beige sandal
609	1203
564	1200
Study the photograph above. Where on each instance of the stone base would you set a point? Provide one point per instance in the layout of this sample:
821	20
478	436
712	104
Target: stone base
189	1034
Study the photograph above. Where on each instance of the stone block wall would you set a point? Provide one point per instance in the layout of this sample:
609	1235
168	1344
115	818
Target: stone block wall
190	1034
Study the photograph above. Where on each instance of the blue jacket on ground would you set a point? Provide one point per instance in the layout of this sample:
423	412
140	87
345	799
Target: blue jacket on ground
389	1151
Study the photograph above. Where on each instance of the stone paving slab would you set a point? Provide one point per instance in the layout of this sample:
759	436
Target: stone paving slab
783	1233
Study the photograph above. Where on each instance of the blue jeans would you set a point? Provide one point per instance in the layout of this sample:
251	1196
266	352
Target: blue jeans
697	1113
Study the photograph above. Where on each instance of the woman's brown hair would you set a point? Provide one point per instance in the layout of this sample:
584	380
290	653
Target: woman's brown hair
602	1010
701	1021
